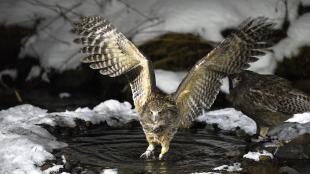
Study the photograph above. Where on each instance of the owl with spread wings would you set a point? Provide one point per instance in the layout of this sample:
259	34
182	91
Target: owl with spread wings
160	114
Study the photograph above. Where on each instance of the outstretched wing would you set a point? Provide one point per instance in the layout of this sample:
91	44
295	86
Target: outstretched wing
200	87
113	54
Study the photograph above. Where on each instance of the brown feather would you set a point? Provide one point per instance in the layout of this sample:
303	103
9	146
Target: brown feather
113	54
200	87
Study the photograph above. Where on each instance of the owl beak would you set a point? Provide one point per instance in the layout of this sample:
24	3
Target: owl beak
155	116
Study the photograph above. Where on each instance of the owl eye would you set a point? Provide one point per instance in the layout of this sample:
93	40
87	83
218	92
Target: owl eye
173	109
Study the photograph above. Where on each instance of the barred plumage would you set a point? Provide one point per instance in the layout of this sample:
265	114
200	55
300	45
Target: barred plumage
161	115
231	56
268	99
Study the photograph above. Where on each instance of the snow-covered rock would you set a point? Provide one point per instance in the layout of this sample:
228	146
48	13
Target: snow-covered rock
301	118
256	155
233	168
292	128
229	119
25	145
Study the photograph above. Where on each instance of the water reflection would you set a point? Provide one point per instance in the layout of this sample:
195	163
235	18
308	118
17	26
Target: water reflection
190	151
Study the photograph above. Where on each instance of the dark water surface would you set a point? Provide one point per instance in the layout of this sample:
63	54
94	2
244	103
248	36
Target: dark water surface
190	151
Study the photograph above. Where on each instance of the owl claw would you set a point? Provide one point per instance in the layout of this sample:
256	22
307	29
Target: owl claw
148	154
161	156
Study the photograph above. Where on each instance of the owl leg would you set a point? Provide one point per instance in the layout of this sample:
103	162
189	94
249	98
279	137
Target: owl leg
164	149
149	153
263	132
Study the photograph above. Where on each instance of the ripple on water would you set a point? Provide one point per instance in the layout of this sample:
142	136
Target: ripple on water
190	151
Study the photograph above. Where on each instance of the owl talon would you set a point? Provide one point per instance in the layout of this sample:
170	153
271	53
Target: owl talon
161	156
148	154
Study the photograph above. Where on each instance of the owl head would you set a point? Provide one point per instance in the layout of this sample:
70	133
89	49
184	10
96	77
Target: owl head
245	77
160	115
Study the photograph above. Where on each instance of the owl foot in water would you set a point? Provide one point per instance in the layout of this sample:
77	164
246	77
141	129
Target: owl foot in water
149	153
164	150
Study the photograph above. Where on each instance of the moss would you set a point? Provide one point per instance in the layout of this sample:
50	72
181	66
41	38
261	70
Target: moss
175	51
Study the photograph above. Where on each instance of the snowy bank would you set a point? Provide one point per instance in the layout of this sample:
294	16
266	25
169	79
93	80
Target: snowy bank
25	145
144	20
229	119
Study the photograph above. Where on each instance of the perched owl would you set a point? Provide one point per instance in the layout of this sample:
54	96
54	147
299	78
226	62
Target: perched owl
160	114
268	99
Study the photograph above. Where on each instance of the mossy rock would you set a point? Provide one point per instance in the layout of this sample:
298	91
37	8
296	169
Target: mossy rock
176	51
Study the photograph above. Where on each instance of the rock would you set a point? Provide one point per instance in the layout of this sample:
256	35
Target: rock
264	158
235	153
47	164
298	148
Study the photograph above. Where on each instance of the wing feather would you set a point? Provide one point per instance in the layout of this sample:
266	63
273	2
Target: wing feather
113	54
200	87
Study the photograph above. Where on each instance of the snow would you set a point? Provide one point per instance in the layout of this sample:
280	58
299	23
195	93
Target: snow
265	65
111	111
229	119
289	131
25	145
64	95
143	20
255	155
109	171
300	118
64	161
298	125
234	168
298	36
35	72
168	81
54	169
